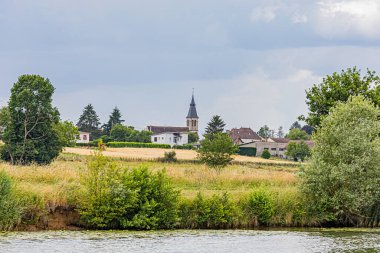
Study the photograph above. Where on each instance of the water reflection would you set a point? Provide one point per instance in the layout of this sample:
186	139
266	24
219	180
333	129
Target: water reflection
191	241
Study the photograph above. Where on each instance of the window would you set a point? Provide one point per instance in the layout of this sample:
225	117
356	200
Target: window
266	148
281	149
155	139
273	149
85	137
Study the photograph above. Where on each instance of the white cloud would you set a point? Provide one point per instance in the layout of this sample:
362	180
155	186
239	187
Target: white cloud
349	19
263	14
299	18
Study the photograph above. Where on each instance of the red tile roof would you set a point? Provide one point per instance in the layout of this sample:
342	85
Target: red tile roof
243	133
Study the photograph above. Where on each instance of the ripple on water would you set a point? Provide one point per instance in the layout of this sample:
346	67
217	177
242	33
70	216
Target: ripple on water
194	241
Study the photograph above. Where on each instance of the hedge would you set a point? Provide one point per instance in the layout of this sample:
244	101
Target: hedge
247	151
115	144
186	146
90	144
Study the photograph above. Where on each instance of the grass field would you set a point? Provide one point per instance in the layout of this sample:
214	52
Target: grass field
55	182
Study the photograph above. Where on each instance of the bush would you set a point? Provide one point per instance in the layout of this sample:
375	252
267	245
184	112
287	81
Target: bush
216	212
186	146
260	207
10	207
169	157
266	154
119	198
136	145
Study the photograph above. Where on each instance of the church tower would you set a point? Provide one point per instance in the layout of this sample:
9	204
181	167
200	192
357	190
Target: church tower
192	117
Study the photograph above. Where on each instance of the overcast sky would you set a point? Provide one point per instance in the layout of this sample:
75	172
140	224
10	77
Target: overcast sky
249	61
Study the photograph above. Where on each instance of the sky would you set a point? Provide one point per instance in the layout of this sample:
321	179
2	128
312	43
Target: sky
249	61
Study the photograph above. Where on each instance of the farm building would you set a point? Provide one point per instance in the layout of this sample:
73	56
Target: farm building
84	137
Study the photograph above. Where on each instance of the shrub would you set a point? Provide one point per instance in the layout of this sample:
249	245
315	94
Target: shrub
10	206
119	198
186	146
216	212
266	154
169	157
136	145
260	207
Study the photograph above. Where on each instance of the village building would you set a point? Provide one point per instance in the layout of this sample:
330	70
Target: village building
84	137
243	135
176	136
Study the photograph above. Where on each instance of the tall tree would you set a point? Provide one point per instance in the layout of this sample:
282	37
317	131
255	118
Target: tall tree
308	129
115	118
216	125
341	183
264	132
338	88
280	132
297	134
30	135
89	122
295	125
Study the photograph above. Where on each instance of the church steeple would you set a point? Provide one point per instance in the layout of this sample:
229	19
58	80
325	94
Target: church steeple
192	117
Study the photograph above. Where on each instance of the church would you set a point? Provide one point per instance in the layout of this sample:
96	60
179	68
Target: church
176	136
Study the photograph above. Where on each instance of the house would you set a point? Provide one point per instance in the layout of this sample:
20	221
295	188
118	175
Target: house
84	137
275	146
169	135
176	135
243	135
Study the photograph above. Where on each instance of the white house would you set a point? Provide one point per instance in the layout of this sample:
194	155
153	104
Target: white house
174	136
84	137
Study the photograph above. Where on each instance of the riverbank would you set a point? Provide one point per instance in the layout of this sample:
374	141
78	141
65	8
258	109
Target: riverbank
53	191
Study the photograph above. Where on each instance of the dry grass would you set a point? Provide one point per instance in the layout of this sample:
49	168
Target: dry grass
53	182
153	153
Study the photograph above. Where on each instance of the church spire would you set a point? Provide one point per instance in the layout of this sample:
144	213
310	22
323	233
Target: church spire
192	116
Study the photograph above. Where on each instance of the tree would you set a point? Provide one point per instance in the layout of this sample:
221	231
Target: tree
264	132
338	88
144	136
216	125
216	151
30	135
341	183
4	119
89	122
68	133
280	132
297	134
193	137
115	118
298	151
123	133
308	129
266	154
295	125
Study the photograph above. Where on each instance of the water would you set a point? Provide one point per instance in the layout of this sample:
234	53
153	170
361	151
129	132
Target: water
182	241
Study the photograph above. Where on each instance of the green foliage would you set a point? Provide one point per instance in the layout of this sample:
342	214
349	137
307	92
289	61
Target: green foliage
193	137
169	157
338	88
67	133
115	119
217	212
295	125
120	133
186	146
216	125
266	154
136	145
264	132
89	122
216	150
341	184
247	151
297	134
298	151
260	206
30	135
10	206
280	132
4	119
120	198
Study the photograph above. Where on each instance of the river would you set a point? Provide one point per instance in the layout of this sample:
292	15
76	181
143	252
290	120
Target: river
192	241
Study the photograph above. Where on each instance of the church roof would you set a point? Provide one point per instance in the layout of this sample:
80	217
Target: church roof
192	110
